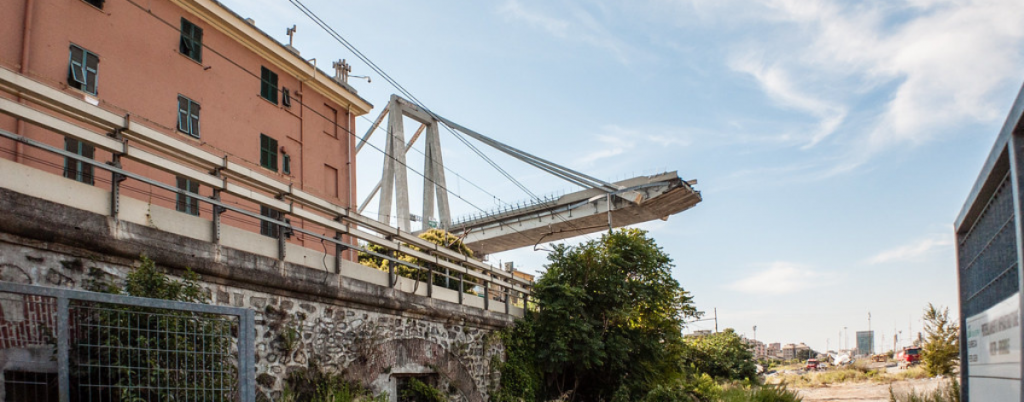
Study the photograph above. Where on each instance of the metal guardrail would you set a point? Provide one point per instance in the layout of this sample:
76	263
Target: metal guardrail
229	177
114	347
232	178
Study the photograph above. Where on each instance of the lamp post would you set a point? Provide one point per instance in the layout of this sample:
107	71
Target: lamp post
846	338
756	349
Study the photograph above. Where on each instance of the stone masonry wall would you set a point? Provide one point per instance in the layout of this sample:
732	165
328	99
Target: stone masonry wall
368	345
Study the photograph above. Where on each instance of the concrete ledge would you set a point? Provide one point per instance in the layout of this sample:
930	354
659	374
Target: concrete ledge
40	220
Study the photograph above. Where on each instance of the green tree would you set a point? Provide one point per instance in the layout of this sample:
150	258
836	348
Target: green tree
610	318
941	350
722	355
442	276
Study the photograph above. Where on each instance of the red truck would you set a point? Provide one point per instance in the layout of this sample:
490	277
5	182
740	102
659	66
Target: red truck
909	356
812	364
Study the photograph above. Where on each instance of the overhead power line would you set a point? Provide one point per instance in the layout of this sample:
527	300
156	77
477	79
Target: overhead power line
412	98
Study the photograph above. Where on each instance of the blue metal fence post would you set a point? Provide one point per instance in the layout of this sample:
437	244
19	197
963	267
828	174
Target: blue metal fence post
63	352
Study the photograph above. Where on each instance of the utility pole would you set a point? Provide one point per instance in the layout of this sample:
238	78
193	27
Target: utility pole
755	341
716	319
846	337
872	334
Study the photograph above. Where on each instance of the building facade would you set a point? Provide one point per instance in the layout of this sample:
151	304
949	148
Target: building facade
196	73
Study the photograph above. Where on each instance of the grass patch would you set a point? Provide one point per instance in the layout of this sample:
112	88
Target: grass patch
949	391
766	393
848	374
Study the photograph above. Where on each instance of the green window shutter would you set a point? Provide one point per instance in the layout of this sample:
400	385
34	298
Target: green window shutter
268	85
83	67
91	72
76	74
188	116
75	169
194	118
268	152
187	204
267	228
183	114
191	43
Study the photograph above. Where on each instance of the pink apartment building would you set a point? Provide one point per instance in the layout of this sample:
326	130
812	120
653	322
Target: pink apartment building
205	80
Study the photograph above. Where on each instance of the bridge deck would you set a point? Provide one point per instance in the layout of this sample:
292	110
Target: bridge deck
643	199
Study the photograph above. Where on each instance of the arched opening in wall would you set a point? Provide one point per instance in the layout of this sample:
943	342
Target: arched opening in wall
389	365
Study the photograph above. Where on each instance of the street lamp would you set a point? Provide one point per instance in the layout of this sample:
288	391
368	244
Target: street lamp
846	338
755	342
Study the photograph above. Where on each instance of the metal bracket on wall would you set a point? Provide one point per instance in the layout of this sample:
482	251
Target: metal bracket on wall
115	186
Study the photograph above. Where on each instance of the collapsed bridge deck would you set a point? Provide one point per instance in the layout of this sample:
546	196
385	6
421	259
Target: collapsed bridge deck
640	199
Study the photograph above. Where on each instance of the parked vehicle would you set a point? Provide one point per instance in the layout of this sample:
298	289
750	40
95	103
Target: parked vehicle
909	356
812	364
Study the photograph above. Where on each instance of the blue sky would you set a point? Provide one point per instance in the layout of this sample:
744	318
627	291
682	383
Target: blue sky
834	142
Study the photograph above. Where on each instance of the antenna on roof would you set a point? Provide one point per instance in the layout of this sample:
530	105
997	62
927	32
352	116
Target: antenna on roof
291	35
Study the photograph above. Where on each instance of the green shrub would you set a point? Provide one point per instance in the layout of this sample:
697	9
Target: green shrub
520	378
130	353
315	385
420	391
722	355
767	393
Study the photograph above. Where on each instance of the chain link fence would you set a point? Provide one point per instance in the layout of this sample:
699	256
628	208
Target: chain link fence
72	346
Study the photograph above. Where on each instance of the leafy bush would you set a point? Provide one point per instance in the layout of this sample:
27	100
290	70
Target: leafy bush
436	236
699	387
767	393
420	391
131	353
722	355
520	379
315	385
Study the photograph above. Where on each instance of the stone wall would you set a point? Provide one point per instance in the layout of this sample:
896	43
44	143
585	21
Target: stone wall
370	333
368	346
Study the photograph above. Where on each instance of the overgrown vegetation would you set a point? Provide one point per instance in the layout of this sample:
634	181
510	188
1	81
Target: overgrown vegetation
947	392
608	328
442	276
520	378
722	355
770	393
420	391
941	352
130	353
609	322
313	384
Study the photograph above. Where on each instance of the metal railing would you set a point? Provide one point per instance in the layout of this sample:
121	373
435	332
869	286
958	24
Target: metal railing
70	345
232	178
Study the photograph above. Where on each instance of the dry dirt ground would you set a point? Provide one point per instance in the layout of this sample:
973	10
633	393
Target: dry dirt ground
865	391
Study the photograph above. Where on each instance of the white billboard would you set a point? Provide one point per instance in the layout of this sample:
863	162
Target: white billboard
993	352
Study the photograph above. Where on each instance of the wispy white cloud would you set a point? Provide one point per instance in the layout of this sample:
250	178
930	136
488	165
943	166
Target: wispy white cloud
575	24
616	140
912	251
612	146
934	64
777	84
781	277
